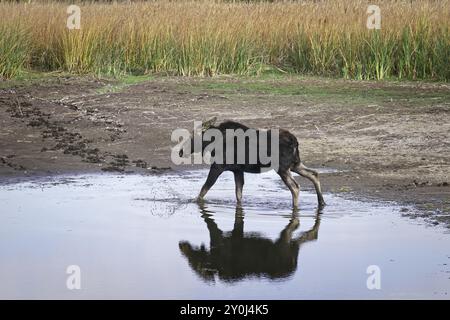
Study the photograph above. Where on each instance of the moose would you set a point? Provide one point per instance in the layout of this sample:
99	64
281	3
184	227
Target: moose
288	158
235	255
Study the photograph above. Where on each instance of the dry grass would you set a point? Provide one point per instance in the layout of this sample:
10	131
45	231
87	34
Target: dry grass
207	38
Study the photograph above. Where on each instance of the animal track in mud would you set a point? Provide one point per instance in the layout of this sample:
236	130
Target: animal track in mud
6	161
69	141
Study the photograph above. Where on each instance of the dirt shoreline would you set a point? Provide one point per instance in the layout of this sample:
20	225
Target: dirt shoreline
391	141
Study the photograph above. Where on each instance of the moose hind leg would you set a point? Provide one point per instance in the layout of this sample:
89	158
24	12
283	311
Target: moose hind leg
301	166
313	177
239	181
292	185
213	174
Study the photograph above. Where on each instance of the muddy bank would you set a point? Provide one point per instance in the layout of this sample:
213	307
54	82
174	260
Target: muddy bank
391	140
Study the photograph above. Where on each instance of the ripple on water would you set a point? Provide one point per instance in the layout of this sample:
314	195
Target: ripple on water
145	237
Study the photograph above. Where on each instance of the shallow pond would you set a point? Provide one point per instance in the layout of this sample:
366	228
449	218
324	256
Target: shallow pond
133	236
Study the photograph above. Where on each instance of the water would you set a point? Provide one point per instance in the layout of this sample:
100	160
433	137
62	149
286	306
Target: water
138	236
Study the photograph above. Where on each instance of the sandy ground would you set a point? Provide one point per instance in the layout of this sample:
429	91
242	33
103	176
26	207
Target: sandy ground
390	141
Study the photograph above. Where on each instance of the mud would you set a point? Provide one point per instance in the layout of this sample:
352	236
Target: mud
389	141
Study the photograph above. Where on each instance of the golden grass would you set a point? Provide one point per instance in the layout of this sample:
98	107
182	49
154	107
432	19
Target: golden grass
207	38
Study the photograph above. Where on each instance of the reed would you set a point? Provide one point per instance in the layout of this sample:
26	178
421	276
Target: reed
327	38
14	50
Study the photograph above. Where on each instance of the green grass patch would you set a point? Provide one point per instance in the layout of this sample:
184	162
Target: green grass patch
317	89
30	77
123	82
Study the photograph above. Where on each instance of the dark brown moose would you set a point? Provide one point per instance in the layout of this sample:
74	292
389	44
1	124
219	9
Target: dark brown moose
288	159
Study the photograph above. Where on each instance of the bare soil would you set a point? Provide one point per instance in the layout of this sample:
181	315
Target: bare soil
390	141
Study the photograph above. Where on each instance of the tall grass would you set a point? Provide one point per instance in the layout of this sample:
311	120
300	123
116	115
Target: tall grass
212	37
14	50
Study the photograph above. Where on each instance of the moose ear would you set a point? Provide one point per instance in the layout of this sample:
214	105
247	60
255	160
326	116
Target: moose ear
208	124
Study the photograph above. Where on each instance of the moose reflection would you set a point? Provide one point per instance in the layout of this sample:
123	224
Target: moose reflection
237	255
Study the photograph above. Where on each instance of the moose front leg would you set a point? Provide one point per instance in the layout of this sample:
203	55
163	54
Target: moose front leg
292	185
214	173
239	181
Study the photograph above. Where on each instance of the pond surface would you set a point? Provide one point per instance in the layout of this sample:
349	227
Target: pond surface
134	236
